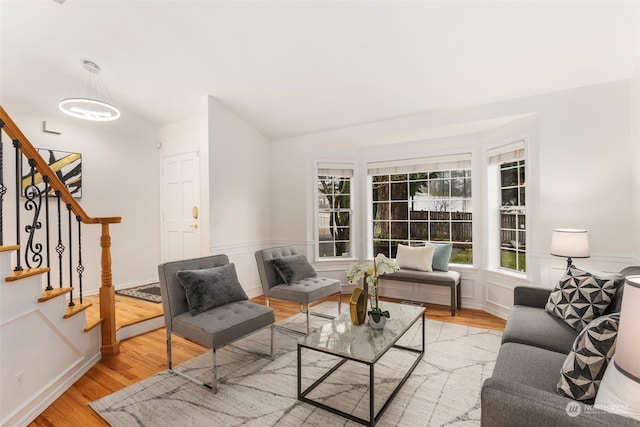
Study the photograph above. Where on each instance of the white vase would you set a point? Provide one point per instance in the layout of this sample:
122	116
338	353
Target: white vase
379	324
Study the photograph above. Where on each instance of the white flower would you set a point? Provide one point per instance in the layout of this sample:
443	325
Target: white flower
383	265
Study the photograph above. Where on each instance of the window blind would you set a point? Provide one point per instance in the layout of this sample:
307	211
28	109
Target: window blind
506	153
344	170
423	164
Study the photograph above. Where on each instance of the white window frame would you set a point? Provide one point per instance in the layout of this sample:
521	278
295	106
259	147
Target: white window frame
337	169
442	162
505	152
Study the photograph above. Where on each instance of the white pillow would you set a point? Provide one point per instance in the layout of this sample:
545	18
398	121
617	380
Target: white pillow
418	258
618	393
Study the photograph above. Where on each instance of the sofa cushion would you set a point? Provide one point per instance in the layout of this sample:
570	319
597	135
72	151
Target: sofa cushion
211	287
415	258
293	268
532	366
585	364
580	297
534	326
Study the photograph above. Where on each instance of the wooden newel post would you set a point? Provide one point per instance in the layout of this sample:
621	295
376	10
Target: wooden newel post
110	344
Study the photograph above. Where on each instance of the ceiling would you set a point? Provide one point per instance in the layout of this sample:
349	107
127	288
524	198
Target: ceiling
292	68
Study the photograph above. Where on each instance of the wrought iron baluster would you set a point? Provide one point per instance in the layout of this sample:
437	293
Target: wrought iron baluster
60	246
47	252
71	303
17	146
33	202
80	267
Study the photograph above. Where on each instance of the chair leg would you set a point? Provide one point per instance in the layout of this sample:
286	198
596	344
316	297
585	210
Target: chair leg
214	384
339	303
308	319
273	327
169	361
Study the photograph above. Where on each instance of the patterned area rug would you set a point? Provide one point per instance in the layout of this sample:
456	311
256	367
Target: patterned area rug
444	390
150	292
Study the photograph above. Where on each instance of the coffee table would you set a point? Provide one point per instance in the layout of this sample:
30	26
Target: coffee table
362	344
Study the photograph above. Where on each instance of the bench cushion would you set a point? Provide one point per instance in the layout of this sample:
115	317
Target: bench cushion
439	278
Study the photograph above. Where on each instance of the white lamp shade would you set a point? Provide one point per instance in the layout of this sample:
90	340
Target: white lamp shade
620	386
570	243
628	341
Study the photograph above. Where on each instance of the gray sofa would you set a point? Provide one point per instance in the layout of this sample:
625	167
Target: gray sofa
522	389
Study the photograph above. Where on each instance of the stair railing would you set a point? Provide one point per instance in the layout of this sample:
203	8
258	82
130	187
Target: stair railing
35	253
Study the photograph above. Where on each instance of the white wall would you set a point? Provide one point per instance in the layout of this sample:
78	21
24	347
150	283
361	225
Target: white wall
239	191
119	178
635	159
582	168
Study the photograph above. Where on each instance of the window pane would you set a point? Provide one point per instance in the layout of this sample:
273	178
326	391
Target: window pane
419	215
326	249
380	178
419	231
380	192
399	177
399	210
508	259
399	230
381	211
462	254
509	177
461	232
461	187
342	202
382	247
399	191
438	215
381	229
439	188
323	202
509	197
440	231
523	196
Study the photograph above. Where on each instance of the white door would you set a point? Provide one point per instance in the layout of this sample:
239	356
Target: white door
180	207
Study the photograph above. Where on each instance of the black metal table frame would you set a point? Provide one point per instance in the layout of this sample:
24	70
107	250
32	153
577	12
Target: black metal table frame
373	417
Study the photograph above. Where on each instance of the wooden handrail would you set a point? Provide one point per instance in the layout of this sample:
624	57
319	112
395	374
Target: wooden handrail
110	345
12	130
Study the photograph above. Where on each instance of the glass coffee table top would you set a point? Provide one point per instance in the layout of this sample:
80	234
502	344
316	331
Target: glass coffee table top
341	337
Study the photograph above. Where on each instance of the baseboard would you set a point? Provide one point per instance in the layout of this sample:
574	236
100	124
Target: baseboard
25	415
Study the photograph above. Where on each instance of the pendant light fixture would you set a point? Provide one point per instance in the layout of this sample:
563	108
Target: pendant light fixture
91	104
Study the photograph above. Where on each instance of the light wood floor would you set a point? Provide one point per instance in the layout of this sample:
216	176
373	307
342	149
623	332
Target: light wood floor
145	355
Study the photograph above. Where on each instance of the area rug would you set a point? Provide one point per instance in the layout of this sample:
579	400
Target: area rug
444	389
149	292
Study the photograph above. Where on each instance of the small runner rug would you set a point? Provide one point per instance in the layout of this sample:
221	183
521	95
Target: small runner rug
443	390
149	292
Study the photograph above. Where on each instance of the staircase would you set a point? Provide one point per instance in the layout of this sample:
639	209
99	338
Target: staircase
45	342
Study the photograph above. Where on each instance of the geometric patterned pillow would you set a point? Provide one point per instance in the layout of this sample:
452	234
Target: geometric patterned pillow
587	361
580	297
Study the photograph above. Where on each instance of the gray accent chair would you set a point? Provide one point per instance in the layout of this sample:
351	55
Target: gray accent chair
213	328
522	389
304	292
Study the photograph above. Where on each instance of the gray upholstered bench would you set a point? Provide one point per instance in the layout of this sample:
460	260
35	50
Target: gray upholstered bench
437	278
